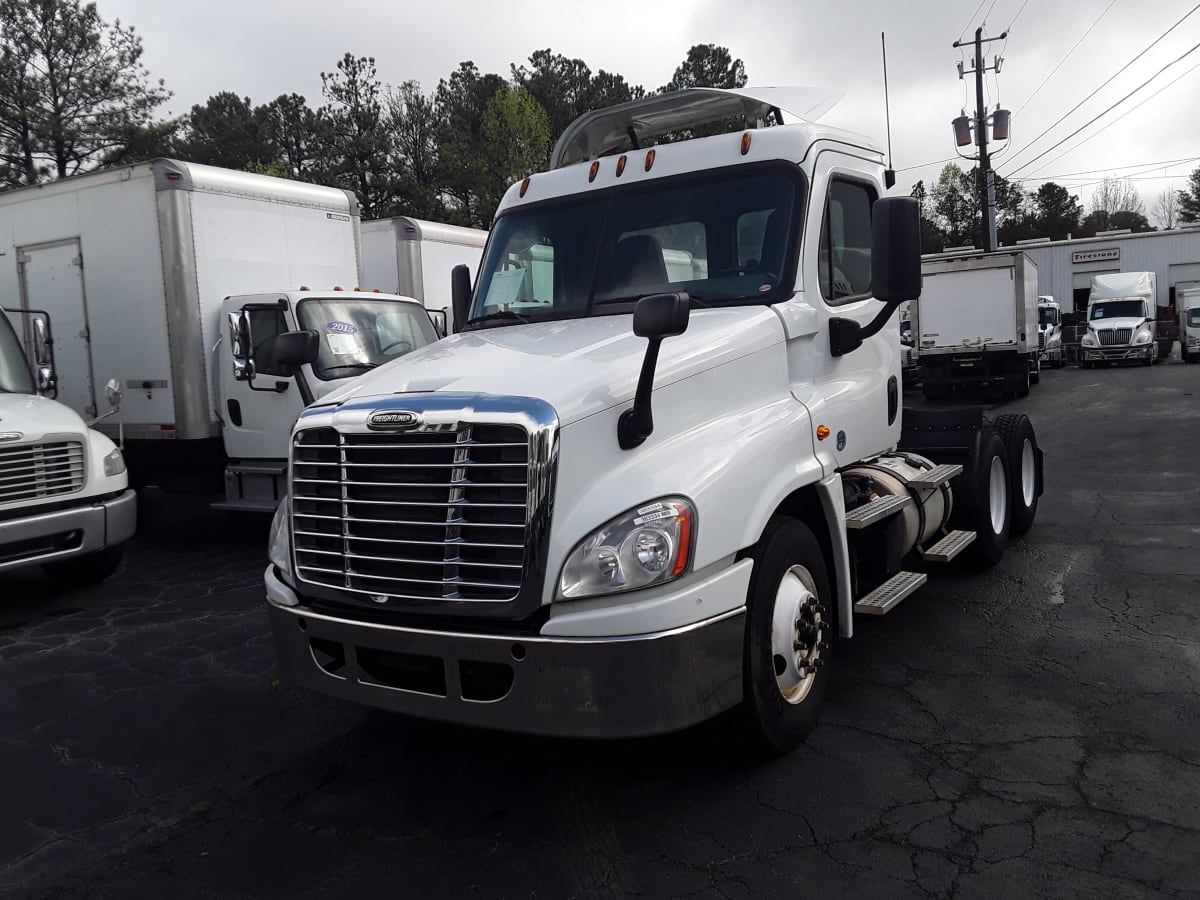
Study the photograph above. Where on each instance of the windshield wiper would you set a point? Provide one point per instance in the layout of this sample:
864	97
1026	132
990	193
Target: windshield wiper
696	299
500	314
364	366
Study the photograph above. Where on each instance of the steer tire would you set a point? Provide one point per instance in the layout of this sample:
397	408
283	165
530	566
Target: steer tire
789	584
1024	469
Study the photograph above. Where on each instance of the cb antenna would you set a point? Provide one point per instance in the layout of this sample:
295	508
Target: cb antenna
889	174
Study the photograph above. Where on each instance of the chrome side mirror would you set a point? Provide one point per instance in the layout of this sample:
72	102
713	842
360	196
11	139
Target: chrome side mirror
438	318
112	393
239	346
43	357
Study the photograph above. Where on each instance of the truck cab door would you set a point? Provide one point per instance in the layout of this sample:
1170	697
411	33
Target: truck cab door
260	397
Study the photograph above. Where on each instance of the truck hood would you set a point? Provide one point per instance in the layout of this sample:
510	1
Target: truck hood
579	366
35	417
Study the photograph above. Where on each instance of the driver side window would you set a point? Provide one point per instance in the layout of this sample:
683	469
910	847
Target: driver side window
266	324
845	249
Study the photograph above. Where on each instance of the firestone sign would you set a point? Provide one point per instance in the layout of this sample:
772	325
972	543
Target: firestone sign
1086	256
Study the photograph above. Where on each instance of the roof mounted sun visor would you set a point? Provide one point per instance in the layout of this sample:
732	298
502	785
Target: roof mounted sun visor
631	126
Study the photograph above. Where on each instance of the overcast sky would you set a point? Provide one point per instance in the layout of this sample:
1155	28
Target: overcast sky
264	48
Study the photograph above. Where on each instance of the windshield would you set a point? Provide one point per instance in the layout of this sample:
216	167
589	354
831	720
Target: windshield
15	377
1047	316
359	333
722	240
1118	309
1193	317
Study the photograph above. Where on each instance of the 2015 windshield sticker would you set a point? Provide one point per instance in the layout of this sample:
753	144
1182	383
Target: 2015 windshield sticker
341	328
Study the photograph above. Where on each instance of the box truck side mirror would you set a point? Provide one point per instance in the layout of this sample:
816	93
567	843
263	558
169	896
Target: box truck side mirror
239	345
43	356
438	318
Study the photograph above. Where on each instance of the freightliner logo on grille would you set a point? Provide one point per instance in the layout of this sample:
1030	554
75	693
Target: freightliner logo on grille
393	419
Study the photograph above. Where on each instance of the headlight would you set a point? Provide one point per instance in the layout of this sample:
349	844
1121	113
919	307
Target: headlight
114	463
646	546
1054	341
279	545
1089	340
1144	335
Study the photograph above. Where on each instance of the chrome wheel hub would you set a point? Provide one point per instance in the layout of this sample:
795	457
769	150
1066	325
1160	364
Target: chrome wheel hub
799	634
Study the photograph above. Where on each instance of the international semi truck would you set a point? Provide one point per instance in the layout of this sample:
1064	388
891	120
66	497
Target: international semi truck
1050	332
662	468
136	267
1187	305
1122	320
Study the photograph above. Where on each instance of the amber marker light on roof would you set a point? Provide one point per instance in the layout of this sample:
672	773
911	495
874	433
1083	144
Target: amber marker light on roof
621	166
525	186
304	287
745	143
595	170
337	287
822	432
649	159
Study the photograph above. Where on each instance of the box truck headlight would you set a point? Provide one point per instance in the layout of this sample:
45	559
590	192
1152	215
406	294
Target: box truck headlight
114	463
279	545
1089	339
1144	335
646	546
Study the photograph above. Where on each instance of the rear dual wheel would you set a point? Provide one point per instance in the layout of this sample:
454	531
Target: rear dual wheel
1024	469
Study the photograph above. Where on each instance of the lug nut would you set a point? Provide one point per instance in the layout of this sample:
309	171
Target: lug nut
801	646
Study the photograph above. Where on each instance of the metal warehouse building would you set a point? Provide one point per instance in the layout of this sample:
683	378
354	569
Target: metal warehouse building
1065	268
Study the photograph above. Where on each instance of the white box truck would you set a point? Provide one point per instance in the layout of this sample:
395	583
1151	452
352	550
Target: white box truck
133	264
976	324
1050	333
65	503
632	494
1122	320
1187	305
414	257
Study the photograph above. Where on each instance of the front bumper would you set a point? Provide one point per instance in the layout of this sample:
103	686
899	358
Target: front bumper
59	534
597	687
1116	354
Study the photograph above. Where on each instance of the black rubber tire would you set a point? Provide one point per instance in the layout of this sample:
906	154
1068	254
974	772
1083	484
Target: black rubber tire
1016	430
989	545
81	571
1022	385
1036	377
1059	361
771	723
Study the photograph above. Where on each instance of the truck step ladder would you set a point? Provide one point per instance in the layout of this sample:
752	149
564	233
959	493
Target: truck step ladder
936	477
887	595
949	547
880	508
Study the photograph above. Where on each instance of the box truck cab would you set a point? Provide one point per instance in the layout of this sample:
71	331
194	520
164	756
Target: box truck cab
1187	302
1050	336
1122	320
280	352
663	465
65	504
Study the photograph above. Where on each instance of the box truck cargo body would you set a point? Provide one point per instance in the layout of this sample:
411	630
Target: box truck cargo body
132	264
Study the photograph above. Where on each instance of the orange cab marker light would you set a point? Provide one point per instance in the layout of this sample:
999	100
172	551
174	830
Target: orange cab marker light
822	432
685	542
649	159
595	170
304	287
621	166
337	287
358	288
408	229
525	186
745	143
173	176
376	291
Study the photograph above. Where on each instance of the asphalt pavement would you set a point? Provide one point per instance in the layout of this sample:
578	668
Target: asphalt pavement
1029	731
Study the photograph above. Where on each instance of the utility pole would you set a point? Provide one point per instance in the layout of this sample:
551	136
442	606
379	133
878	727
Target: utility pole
986	180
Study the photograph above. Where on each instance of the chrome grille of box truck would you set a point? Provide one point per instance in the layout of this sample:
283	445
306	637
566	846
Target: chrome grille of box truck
1114	336
33	471
426	515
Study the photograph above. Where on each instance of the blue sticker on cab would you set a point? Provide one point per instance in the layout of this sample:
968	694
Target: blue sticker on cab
341	328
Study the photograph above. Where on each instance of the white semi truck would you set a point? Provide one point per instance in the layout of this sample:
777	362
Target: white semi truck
135	266
65	503
1050	333
414	257
631	494
1122	320
1187	305
976	324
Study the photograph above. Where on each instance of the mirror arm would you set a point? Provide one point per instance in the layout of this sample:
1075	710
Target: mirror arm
637	424
846	335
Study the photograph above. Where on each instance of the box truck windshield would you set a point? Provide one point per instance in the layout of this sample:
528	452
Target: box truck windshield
1193	317
1118	309
15	377
360	333
723	241
1047	316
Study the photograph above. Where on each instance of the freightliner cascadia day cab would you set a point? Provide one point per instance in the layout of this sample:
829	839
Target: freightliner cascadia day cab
414	257
1122	320
662	466
133	264
65	502
976	324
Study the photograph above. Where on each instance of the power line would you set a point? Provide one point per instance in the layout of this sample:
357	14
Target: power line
1065	58
928	164
1162	163
967	27
1107	82
1017	16
1110	109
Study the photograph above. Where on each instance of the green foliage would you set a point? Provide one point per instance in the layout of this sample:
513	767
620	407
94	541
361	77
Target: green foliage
1189	199
1057	212
566	88
357	143
225	132
707	65
516	135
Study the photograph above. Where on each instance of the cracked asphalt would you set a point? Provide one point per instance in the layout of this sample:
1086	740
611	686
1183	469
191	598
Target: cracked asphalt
1030	731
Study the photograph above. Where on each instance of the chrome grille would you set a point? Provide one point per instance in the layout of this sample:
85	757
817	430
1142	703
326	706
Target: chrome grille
437	514
41	470
1113	336
1041	340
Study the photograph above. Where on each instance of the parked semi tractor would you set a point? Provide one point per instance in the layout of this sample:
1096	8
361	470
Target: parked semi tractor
134	264
630	494
65	503
1187	303
1050	333
414	257
1122	320
976	324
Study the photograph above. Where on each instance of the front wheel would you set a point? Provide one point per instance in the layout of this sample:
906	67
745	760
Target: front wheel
790	630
